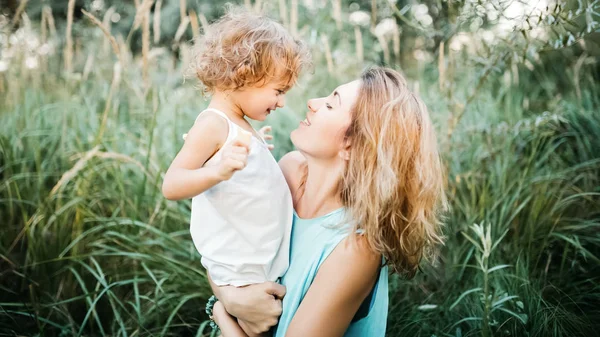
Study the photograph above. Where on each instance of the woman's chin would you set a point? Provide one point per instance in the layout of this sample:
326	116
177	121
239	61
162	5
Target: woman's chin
296	137
293	136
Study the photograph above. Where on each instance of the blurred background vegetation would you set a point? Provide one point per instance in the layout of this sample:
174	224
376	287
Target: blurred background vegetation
93	105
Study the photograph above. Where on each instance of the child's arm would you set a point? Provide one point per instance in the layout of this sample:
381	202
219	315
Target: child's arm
227	323
229	326
186	177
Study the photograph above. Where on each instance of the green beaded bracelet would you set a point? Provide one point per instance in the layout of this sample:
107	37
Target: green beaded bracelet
209	311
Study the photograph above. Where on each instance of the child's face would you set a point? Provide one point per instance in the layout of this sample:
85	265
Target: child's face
258	102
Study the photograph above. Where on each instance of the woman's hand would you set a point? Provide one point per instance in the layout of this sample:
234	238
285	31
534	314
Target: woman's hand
256	306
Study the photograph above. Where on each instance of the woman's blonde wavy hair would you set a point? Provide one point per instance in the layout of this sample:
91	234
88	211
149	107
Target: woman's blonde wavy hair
245	49
393	185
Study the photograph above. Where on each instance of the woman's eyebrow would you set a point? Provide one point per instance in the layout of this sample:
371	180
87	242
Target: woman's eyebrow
335	93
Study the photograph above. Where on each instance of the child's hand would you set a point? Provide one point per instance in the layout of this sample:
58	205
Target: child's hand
234	157
264	133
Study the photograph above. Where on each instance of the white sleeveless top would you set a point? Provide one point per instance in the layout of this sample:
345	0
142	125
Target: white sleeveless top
242	226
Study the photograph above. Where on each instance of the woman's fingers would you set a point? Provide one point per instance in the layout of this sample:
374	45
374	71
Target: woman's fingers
275	289
265	129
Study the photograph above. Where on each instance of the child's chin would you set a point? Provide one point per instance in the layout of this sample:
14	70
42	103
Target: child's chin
259	118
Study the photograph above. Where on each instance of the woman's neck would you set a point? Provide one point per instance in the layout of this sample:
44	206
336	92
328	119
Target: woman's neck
320	193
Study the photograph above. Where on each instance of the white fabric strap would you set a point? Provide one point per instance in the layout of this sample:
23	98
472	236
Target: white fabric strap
233	128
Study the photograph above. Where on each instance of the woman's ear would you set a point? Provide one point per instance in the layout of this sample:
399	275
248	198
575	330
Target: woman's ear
345	151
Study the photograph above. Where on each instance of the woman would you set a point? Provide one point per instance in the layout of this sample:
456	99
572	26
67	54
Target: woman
367	185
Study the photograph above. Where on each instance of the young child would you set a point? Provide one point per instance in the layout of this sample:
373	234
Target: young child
241	205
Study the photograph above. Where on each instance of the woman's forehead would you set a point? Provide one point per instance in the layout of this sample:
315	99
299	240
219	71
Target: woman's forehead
348	88
348	92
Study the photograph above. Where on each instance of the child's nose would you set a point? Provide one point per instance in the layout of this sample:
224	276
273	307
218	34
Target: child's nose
281	101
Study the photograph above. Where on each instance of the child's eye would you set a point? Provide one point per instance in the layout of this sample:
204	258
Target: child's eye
280	92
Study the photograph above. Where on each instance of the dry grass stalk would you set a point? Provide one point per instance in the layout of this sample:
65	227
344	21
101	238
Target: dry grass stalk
396	44
18	13
386	49
181	29
124	51
294	18
121	157
328	57
194	24
283	13
136	3
337	13
113	88
576	72
203	21
186	54
68	52
140	13
359	44
87	69
373	13
79	165
258	6
44	27
78	49
145	48
159	202
156	23
441	67
50	20
113	41
182	10
248	4
86	157
107	24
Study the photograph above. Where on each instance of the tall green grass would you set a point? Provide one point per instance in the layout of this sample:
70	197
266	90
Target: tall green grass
88	246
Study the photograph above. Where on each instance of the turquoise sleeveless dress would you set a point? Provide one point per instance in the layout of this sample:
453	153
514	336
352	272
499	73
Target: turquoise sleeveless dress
311	243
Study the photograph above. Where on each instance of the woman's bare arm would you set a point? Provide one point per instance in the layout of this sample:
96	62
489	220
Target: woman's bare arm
337	291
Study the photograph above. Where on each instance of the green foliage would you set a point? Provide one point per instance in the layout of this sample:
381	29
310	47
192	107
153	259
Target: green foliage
88	245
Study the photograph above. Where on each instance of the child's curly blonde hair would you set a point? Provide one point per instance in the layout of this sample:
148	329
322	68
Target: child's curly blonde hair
247	49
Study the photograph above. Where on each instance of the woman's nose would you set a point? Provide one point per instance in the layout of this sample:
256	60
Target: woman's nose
315	104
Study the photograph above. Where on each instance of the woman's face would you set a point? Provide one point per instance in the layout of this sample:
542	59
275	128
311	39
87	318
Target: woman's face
321	134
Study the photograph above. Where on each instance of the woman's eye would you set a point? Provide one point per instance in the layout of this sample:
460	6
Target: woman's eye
328	106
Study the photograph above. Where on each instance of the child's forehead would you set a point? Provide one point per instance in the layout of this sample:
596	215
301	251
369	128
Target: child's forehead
280	81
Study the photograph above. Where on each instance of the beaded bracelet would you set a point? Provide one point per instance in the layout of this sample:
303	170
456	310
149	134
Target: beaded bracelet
209	311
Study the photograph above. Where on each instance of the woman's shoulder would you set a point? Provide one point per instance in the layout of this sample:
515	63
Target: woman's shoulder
293	166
